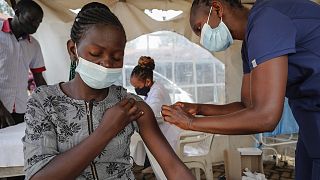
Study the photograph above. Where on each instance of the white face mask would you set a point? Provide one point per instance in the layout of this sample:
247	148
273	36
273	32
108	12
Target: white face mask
96	76
217	39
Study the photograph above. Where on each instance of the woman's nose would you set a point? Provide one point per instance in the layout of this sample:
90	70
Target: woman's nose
106	62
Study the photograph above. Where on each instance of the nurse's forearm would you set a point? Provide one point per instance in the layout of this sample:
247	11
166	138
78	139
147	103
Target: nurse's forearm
247	121
214	110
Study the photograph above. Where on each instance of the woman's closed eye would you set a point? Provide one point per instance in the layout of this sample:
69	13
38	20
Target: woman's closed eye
95	54
117	58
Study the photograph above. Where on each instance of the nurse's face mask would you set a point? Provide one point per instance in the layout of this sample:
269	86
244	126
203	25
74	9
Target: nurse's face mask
215	39
142	91
96	76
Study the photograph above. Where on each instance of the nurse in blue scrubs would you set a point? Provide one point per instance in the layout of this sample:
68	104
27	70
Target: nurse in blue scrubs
281	57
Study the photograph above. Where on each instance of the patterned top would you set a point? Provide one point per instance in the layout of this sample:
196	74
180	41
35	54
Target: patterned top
56	123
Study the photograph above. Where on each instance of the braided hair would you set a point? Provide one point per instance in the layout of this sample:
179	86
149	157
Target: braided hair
232	3
90	15
144	69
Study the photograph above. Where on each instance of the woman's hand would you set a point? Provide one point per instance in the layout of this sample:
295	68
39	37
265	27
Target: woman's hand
176	115
120	115
190	108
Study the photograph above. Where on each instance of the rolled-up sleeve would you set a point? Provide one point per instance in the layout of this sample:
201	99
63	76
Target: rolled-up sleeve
40	140
271	34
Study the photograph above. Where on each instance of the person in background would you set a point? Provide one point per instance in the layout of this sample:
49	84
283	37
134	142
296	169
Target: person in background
19	52
81	129
155	95
281	57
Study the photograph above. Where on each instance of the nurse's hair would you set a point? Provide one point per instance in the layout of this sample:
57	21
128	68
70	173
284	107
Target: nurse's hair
232	3
144	69
90	15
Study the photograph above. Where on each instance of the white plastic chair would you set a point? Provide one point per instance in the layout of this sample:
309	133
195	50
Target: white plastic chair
138	150
194	150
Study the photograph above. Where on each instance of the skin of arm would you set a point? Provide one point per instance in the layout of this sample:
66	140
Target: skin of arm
38	79
151	134
262	104
71	163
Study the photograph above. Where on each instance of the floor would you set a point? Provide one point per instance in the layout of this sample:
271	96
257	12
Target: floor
283	172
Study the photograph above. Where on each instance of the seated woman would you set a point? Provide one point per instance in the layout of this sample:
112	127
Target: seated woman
81	129
156	95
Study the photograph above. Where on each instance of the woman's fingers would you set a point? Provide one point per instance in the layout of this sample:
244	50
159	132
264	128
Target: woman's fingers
133	109
136	116
123	102
130	103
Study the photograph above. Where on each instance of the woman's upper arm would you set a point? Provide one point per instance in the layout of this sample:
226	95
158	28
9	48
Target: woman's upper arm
149	129
156	142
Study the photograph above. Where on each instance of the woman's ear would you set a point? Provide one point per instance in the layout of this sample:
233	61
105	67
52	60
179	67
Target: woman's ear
217	7
71	46
148	82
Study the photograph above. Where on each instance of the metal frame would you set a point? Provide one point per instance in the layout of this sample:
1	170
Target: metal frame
277	141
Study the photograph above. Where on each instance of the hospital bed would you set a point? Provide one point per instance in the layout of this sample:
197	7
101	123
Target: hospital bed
11	156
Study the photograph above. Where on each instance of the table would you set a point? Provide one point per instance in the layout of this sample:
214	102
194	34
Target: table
11	157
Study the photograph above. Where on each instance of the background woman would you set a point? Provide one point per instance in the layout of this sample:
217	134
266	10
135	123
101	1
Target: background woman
155	94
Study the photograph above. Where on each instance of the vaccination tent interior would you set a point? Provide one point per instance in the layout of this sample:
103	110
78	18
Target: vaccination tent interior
179	63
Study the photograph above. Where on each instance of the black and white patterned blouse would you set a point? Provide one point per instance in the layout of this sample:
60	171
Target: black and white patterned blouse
56	123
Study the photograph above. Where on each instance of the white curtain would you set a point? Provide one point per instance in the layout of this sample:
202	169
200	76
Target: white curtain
55	29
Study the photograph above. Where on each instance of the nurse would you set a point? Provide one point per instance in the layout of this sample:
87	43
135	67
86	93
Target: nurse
281	57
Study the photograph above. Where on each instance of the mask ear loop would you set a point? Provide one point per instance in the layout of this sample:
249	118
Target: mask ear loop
75	46
209	14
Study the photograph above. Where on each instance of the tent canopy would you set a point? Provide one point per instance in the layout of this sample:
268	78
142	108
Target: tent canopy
55	29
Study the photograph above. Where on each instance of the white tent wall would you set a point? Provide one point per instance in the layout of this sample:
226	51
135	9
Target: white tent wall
55	29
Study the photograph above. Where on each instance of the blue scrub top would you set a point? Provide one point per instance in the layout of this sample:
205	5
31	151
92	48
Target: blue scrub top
290	27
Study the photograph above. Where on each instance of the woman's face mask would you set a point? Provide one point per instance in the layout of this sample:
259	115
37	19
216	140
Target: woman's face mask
96	76
217	39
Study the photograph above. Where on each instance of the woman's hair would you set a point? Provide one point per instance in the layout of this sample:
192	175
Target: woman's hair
90	15
232	3
144	69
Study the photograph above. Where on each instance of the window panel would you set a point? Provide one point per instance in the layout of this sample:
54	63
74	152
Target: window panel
204	73
205	94
183	72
